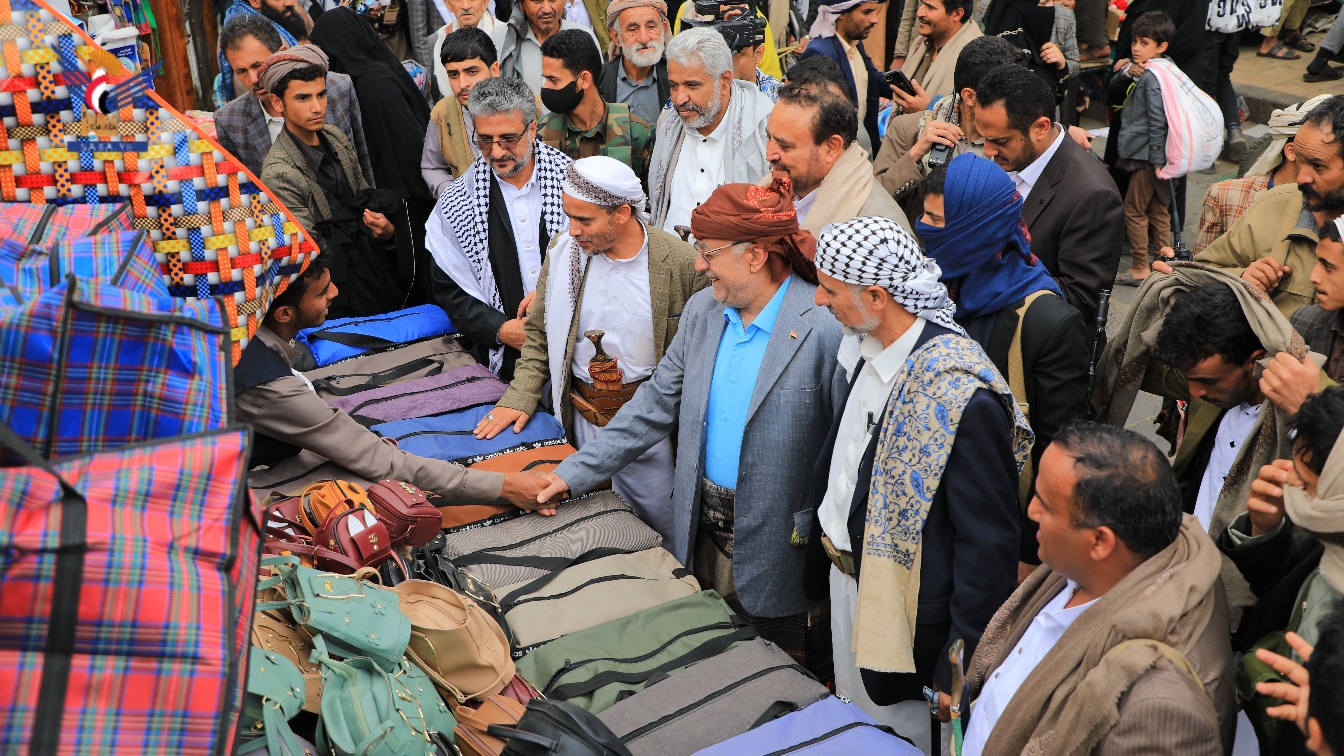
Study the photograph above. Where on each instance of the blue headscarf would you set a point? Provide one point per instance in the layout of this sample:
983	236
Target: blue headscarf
984	250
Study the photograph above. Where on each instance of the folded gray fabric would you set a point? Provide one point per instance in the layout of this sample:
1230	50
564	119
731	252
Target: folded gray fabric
457	389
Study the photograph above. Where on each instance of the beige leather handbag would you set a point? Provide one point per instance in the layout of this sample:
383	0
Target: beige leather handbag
458	645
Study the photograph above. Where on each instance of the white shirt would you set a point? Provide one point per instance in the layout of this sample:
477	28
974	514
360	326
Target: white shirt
803	205
1027	177
274	125
577	12
1232	432
616	300
699	170
524	215
1044	632
862	417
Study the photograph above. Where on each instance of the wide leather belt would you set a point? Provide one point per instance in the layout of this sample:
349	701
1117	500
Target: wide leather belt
843	560
599	406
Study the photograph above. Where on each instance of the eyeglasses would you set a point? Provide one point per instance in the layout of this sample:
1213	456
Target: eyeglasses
700	248
507	141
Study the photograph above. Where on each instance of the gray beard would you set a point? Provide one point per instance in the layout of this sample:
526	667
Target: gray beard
519	165
709	114
643	58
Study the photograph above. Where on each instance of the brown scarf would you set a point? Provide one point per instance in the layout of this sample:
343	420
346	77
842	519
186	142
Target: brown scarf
1125	363
1070	702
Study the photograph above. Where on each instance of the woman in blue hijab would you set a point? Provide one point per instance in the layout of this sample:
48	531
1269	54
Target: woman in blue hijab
1007	301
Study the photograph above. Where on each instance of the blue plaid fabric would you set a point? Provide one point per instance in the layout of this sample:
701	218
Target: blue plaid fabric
163	594
88	366
21	220
123	259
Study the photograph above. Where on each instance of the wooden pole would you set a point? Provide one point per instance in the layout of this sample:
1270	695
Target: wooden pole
174	83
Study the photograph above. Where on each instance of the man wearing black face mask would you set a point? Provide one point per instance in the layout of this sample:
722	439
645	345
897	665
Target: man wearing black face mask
581	124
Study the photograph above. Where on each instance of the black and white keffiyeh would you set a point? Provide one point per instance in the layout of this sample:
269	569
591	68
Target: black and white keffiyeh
877	252
464	208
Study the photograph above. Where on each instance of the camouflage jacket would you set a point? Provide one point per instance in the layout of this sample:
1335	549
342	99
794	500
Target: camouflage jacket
621	135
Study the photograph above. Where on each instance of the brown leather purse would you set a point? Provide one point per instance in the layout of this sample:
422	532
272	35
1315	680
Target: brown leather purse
455	642
472	724
331	526
411	519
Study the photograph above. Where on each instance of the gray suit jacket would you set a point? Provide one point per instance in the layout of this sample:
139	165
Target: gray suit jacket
799	388
240	126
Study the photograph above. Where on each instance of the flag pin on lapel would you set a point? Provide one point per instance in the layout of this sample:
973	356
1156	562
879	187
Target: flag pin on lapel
793	334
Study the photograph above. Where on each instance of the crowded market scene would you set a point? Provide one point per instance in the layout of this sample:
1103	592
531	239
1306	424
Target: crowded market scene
369	377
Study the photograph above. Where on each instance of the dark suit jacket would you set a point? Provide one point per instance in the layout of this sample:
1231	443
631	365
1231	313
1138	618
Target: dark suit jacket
831	48
970	537
1076	218
606	82
1056	349
240	126
1314	323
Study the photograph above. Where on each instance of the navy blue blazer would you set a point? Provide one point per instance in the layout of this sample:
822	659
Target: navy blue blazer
830	47
971	541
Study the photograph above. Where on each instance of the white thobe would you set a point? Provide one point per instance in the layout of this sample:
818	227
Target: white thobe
698	171
616	300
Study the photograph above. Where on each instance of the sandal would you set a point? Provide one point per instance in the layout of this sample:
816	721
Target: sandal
1279	52
1329	73
1299	42
1125	278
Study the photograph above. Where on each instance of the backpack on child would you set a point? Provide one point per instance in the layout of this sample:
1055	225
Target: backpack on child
1194	122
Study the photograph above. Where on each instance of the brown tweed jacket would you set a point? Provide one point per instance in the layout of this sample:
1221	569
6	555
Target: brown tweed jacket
288	176
672	280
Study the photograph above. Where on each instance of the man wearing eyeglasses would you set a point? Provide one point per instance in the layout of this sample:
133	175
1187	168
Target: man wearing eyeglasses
492	225
750	384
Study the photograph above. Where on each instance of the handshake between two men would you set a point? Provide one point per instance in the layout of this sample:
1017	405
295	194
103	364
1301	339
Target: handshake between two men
534	492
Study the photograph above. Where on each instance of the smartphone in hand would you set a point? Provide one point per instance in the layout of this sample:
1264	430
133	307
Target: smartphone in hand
899	80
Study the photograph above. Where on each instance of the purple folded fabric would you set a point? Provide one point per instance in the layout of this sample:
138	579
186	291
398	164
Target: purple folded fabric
457	389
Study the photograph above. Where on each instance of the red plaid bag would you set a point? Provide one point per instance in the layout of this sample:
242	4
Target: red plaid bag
127	585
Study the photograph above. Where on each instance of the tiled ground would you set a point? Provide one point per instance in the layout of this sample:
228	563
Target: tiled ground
1282	75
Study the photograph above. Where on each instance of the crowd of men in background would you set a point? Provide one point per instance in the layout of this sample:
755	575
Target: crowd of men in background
862	383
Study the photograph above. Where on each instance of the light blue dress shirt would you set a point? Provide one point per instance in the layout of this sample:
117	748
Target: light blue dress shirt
735	368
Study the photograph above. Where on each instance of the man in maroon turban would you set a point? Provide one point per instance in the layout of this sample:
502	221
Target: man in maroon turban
750	384
761	215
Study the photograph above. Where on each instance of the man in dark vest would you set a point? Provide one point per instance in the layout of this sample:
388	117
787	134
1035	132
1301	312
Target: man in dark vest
288	416
492	225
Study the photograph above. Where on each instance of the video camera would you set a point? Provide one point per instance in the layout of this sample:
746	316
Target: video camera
745	29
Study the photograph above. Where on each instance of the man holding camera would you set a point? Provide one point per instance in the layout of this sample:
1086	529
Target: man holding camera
745	35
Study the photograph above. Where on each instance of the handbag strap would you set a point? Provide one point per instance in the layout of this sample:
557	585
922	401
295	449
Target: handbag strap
65	591
1017	382
381	378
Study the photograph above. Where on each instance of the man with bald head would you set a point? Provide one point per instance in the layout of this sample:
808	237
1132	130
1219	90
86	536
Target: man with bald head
616	275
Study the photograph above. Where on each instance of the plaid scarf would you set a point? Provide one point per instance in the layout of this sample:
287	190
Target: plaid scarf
465	206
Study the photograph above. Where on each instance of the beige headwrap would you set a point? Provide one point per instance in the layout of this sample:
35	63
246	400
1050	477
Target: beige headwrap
1283	125
1323	515
614	9
285	61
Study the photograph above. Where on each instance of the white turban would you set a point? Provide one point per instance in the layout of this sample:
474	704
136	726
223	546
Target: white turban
877	252
824	26
1283	126
606	182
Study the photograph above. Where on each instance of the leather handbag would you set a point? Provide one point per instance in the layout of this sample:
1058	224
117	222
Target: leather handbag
323	498
556	728
275	631
368	712
356	618
462	649
473	724
429	563
339	546
274	695
406	511
520	690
